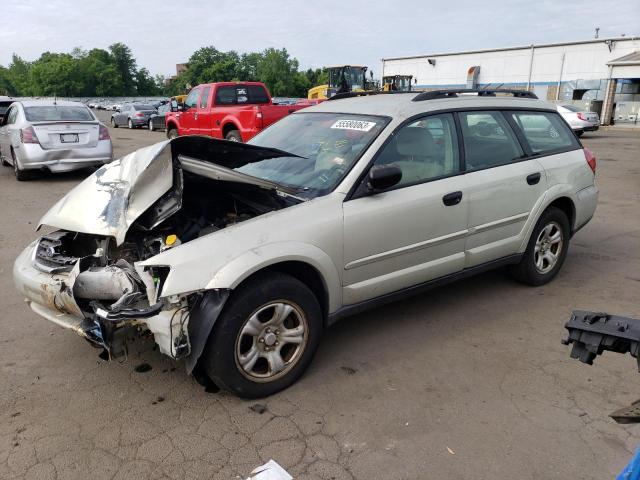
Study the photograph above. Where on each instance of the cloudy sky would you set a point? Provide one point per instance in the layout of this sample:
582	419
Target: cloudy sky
162	33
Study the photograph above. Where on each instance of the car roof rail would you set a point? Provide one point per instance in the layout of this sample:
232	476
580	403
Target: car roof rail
452	93
339	96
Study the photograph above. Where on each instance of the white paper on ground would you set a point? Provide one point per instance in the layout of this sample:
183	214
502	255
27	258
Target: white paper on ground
270	471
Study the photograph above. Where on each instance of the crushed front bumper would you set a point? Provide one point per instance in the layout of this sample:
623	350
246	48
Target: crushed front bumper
51	296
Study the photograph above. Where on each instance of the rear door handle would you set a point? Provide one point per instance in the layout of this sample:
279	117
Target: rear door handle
451	199
533	179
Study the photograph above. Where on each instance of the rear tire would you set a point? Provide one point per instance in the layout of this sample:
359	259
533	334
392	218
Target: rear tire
234	136
130	124
265	337
113	123
172	133
580	133
19	173
546	250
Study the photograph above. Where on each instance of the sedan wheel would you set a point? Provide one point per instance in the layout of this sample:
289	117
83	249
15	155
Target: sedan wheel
113	123
130	124
19	173
151	125
265	337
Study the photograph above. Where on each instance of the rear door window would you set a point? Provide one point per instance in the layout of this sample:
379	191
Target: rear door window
545	132
488	140
226	95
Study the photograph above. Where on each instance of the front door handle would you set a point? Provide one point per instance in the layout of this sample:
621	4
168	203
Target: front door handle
451	199
533	179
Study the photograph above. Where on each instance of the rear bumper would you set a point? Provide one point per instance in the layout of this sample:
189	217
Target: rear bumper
138	122
585	206
34	157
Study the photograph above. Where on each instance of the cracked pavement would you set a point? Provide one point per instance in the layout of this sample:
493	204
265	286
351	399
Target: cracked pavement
468	381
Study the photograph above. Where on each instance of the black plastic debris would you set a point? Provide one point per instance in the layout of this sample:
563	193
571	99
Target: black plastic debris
143	368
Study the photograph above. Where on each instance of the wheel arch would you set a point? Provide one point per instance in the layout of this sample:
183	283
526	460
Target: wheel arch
566	205
229	126
305	273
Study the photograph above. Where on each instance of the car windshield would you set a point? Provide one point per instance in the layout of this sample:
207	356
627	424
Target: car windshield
144	106
572	108
327	145
56	113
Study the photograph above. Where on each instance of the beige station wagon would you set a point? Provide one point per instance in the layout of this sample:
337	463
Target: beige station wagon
236	257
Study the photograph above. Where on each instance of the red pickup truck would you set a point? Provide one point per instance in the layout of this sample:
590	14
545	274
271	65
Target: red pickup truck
233	111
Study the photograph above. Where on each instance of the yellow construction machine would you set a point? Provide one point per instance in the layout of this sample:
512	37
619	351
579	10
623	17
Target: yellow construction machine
342	79
397	83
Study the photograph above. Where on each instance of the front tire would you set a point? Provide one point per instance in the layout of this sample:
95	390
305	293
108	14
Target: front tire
172	133
265	337
580	133
546	250
150	125
113	123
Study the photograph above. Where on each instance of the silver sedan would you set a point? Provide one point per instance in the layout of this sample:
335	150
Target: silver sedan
57	136
579	120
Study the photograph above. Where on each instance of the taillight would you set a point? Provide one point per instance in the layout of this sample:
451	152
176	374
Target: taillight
581	116
28	135
258	117
139	114
104	133
591	159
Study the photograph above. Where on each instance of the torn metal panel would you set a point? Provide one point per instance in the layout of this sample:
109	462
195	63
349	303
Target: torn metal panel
203	315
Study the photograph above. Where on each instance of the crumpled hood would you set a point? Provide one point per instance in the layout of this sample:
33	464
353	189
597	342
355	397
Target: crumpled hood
110	200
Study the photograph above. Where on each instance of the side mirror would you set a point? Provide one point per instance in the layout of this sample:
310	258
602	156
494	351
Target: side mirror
382	177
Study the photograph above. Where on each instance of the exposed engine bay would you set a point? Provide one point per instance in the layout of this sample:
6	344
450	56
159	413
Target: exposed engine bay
98	276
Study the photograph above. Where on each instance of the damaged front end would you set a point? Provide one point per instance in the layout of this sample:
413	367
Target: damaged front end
89	276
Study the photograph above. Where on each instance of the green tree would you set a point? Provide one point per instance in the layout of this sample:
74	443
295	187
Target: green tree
56	74
100	75
19	75
248	67
6	85
279	73
126	67
145	83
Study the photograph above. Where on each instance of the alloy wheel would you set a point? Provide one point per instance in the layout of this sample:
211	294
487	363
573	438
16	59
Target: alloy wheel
271	341
548	248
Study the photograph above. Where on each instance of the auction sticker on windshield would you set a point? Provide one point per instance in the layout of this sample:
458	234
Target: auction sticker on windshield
360	125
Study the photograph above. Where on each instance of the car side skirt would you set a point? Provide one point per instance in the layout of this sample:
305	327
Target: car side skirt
349	310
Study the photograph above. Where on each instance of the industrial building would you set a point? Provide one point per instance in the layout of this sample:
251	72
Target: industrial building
602	75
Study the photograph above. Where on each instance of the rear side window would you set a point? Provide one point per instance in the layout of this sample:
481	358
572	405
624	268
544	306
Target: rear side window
56	114
488	140
226	95
257	94
545	132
